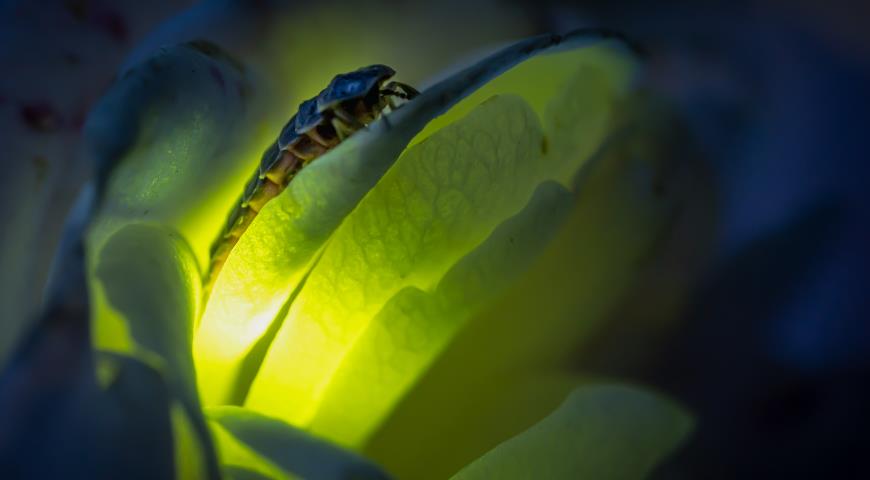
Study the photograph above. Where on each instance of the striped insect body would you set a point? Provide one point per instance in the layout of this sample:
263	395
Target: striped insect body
349	103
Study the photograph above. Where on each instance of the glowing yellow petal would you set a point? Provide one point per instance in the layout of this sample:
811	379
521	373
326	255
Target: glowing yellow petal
627	201
440	199
406	336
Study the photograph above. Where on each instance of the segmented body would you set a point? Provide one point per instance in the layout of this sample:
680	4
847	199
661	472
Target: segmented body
350	102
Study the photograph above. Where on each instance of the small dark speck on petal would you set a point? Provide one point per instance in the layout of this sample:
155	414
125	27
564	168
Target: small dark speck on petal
40	117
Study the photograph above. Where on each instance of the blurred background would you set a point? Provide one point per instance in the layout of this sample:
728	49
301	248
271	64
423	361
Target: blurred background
771	350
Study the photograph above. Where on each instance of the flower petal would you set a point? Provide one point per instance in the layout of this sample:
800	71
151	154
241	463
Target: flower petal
441	198
628	198
414	326
173	138
149	273
277	250
612	432
270	447
478	164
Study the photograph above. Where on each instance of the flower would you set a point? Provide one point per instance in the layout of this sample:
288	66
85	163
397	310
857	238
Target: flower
412	297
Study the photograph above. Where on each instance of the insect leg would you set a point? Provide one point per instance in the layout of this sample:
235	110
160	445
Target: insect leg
349	120
400	89
341	129
344	123
321	140
398	93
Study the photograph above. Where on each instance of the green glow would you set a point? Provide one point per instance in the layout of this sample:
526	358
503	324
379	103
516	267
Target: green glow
415	326
408	333
275	253
478	165
425	214
388	276
615	224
